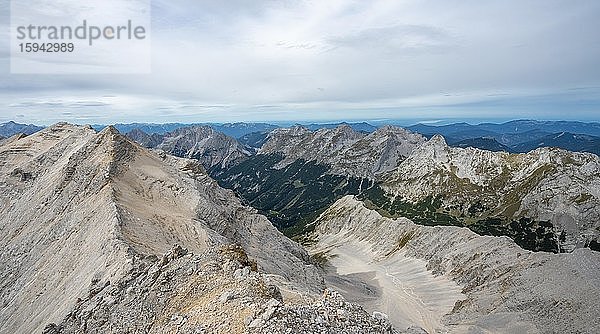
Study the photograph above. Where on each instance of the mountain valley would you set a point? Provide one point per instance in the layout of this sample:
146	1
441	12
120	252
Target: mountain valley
391	232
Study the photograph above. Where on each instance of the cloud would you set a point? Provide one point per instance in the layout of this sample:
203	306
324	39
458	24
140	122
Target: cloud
338	59
398	38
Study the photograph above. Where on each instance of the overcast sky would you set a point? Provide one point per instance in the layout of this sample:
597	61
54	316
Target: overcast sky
329	60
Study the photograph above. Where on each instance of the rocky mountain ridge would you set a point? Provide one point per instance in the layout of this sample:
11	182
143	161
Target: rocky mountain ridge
216	291
211	148
545	185
344	150
78	207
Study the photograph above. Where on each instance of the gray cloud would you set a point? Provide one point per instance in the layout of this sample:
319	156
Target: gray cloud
263	60
397	38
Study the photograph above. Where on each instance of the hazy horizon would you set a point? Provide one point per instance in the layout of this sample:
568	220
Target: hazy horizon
376	122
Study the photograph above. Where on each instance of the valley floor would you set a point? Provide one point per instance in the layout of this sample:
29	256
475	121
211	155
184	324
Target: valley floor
399	286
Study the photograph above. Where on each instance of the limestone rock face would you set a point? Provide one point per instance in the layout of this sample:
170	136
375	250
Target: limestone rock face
211	148
546	184
145	139
506	289
346	151
77	207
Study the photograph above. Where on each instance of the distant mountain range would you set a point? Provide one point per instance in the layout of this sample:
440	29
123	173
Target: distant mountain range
512	127
514	136
519	135
235	130
11	128
565	140
485	143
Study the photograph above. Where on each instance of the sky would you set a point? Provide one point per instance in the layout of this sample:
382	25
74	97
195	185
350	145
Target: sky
229	61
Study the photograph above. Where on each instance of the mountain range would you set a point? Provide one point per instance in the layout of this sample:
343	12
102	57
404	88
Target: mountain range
94	219
514	136
11	128
203	143
564	140
519	136
399	234
231	129
297	173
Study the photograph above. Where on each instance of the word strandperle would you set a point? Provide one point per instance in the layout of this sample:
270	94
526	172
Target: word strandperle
84	31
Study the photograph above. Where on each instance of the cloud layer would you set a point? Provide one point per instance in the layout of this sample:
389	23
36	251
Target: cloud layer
331	60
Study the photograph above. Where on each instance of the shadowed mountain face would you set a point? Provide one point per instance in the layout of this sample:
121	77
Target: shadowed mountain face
145	139
254	140
11	128
564	140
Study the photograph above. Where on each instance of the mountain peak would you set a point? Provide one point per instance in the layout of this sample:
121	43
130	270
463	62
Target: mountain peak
346	130
343	127
110	130
438	140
